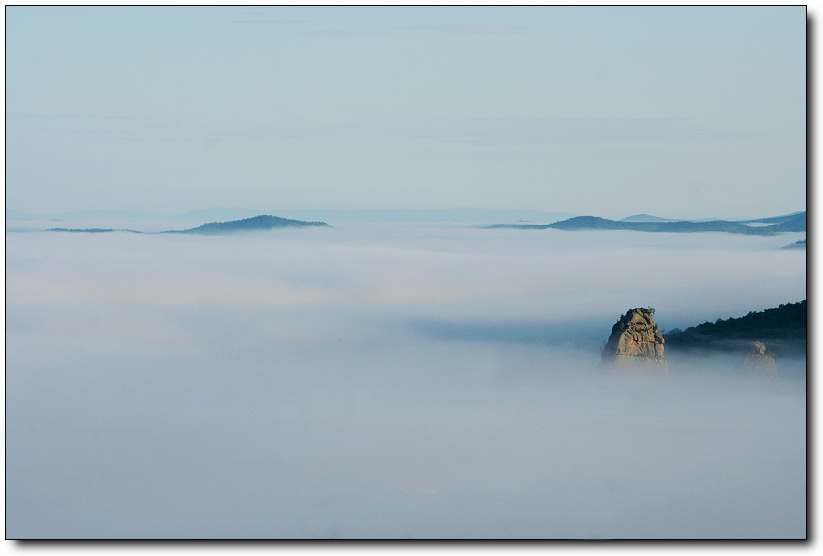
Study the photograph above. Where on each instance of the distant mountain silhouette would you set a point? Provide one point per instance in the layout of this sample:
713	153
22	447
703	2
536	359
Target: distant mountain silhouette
783	328
791	217
255	223
643	217
790	223
795	222
680	226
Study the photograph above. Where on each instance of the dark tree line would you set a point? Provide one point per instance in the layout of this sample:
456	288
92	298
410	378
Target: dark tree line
785	324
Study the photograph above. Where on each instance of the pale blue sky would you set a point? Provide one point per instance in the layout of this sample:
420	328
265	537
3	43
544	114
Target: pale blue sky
676	111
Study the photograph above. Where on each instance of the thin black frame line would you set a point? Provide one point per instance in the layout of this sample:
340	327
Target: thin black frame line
809	88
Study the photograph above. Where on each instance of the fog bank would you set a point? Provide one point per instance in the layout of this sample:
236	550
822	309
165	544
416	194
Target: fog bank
408	380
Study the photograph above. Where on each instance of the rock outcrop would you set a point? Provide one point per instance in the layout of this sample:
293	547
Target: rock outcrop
760	360
635	339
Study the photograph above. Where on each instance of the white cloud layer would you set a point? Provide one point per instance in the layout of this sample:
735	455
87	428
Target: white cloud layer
381	381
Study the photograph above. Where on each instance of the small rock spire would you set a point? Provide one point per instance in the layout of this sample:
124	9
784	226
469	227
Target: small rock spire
759	359
635	338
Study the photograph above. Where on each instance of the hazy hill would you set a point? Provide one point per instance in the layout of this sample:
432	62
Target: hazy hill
680	226
791	217
643	217
255	223
795	222
791	223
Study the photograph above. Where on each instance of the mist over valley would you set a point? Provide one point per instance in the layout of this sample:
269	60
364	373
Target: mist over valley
402	380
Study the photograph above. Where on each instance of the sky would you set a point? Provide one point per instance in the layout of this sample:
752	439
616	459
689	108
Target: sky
681	112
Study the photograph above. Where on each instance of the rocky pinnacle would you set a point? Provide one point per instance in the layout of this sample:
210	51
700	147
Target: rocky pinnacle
635	338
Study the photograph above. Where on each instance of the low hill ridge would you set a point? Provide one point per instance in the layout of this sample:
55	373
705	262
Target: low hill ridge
260	222
795	222
783	328
253	223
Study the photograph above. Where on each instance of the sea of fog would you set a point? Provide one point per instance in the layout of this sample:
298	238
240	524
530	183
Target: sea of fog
403	380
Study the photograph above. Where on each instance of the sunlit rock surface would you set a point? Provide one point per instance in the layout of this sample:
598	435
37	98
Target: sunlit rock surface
635	339
760	360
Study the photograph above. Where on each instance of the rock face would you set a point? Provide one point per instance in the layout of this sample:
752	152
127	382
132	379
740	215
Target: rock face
760	360
635	339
